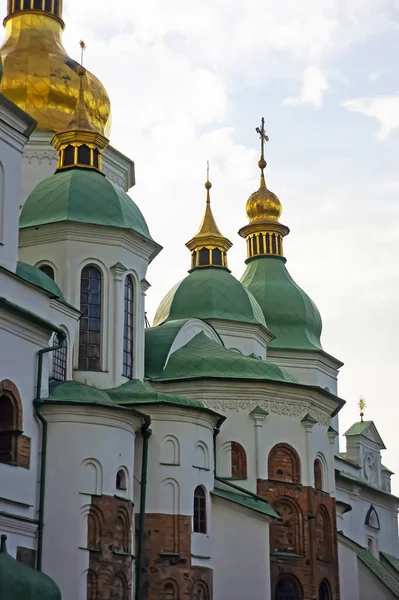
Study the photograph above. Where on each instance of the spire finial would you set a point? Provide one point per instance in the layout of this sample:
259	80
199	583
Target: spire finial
362	405
208	184
263	138
3	544
83	47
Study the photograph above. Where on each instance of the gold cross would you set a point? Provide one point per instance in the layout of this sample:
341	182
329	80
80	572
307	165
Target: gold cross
263	137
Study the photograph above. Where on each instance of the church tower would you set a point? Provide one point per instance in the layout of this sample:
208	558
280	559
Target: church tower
42	79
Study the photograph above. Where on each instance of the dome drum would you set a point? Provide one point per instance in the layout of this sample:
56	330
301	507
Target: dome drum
51	7
264	241
208	256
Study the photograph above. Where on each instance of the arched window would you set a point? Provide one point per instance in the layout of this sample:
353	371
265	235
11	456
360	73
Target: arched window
323	535
170	590
47	270
238	461
217	257
90	323
200	591
286	534
318	474
284	464
60	359
203	257
69	156
94	526
84	155
288	588
10	423
121	480
128	331
324	591
372	519
200	510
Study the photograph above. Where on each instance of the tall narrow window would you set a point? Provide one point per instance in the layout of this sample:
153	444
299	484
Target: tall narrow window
90	323
128	332
288	589
199	510
60	357
318	474
37	4
325	591
47	270
8	429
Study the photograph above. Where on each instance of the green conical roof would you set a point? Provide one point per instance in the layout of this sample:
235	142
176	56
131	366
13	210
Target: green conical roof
210	293
20	582
290	314
82	196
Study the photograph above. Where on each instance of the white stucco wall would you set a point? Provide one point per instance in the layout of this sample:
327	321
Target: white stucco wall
86	448
240	542
348	573
353	523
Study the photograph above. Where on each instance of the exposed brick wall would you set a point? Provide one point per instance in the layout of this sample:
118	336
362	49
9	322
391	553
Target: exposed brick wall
307	568
23	451
168	559
238	461
109	541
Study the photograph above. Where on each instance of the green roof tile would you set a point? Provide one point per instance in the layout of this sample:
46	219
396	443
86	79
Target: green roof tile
82	196
392	560
73	392
210	293
37	277
379	571
20	582
255	504
158	342
290	314
358	428
138	392
204	358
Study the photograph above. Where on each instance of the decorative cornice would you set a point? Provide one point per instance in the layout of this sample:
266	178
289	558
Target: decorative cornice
58	412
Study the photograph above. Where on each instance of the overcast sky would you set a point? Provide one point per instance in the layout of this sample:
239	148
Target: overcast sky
189	81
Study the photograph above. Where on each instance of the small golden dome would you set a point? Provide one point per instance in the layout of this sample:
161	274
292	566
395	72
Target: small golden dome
263	205
42	79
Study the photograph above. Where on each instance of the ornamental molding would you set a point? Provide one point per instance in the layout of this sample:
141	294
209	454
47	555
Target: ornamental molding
286	409
41	156
112	176
11	524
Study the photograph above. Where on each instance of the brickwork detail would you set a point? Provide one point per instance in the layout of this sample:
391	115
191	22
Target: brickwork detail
167	566
238	461
304	544
284	464
15	448
109	541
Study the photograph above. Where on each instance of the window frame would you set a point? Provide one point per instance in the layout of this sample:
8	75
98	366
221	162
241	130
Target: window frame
129	302
60	360
200	516
87	289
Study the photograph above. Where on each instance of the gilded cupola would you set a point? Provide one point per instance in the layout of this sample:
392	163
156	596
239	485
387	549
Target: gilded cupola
208	247
80	145
38	74
264	233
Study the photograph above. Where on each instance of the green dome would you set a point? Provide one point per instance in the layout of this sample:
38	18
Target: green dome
74	392
19	582
290	314
210	293
82	196
37	277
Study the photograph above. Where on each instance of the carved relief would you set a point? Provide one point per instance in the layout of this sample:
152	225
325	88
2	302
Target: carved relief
323	535
200	591
286	409
287	534
370	469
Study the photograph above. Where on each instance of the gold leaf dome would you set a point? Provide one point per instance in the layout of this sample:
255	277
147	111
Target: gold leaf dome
263	205
38	74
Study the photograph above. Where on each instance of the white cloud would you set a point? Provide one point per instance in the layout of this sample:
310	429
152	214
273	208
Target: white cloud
385	109
314	84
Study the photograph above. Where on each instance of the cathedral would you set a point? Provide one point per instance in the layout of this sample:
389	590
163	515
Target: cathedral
194	459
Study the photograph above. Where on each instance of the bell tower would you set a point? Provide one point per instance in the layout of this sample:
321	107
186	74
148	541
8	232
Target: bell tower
50	7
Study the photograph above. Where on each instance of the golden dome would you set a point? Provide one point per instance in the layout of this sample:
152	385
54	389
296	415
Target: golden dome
41	78
263	205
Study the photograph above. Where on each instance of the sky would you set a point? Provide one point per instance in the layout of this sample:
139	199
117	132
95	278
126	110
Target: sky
189	81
